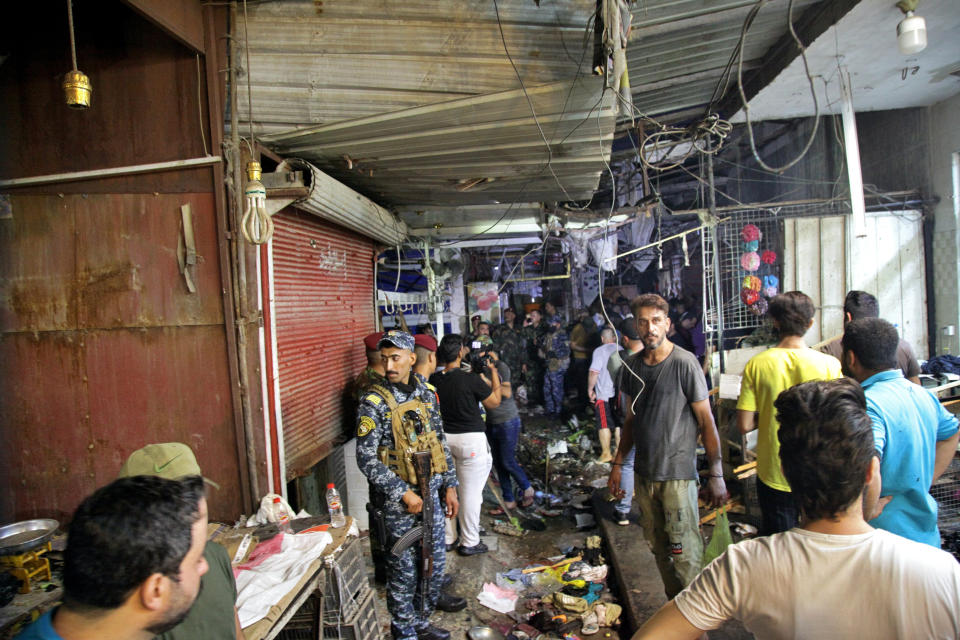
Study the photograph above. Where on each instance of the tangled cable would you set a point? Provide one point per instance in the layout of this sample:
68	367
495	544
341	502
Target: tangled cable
704	136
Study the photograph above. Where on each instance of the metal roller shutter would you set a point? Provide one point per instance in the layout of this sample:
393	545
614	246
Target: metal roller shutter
323	288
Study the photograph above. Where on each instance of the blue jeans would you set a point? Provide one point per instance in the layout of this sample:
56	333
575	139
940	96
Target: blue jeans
626	483
503	445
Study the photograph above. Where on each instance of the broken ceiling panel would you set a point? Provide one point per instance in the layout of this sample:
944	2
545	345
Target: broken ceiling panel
486	149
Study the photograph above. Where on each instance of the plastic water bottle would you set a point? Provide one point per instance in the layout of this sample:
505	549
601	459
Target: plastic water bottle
283	518
335	507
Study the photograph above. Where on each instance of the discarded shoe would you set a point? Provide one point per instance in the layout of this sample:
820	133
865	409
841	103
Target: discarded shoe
432	632
451	603
476	549
590	625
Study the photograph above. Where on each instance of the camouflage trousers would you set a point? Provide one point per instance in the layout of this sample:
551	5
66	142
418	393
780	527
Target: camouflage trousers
534	382
553	391
404	598
671	524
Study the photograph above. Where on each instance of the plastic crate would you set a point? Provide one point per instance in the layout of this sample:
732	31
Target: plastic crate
305	623
345	581
362	625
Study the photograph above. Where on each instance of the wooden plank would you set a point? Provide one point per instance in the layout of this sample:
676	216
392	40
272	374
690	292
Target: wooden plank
913	294
808	268
789	255
833	280
887	261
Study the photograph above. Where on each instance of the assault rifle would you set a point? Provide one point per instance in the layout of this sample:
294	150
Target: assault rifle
424	532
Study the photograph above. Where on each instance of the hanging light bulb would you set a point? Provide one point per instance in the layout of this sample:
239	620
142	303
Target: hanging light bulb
256	224
76	84
912	34
912	30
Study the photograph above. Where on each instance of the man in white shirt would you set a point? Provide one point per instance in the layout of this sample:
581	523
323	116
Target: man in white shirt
600	391
834	576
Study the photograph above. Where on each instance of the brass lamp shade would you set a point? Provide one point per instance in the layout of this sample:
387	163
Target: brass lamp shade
78	89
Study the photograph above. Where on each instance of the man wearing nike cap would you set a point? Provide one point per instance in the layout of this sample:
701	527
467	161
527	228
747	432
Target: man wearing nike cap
214	614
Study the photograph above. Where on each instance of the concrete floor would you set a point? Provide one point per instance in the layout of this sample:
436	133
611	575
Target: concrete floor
634	581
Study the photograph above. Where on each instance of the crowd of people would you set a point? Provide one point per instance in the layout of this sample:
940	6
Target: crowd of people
847	450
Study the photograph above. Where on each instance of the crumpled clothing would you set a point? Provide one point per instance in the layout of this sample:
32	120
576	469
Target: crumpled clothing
260	588
570	603
607	613
942	364
497	598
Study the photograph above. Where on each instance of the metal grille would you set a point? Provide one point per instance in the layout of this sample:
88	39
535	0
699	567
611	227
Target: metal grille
947	494
736	315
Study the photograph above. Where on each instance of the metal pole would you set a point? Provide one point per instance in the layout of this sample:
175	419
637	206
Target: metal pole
712	201
240	266
111	172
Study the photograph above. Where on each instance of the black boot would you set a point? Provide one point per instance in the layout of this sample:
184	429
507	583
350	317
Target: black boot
431	632
450	603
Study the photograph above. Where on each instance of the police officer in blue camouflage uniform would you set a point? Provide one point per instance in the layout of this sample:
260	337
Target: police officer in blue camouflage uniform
381	459
556	346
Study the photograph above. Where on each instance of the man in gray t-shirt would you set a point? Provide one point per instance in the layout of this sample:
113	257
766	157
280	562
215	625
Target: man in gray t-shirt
667	408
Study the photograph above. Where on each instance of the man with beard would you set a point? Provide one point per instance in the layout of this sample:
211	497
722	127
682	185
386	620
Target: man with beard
214	614
393	422
766	375
133	562
667	410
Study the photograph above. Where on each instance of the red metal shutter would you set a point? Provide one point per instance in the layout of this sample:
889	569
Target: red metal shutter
323	292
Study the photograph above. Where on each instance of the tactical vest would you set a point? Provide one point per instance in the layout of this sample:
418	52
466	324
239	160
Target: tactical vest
406	439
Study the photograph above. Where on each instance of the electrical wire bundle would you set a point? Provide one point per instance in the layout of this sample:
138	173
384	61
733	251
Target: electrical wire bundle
706	135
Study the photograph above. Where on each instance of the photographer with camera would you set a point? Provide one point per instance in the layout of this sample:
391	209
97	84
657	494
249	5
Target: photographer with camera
461	393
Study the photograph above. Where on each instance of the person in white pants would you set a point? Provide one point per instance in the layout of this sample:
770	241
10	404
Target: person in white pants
461	393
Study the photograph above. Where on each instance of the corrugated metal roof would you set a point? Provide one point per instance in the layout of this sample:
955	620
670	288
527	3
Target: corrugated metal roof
480	150
423	95
319	62
678	48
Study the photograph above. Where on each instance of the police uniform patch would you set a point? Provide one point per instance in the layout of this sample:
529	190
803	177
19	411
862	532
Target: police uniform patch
373	399
366	426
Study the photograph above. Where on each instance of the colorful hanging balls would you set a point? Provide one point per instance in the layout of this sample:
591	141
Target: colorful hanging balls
750	261
749	296
750	232
753	245
768	257
752	283
759	308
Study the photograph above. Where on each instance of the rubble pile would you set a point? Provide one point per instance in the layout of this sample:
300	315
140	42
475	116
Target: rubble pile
564	597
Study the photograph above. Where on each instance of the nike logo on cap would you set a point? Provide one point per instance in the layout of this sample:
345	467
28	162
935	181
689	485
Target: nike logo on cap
160	468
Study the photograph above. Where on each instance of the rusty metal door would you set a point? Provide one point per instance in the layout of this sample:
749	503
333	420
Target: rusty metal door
322	293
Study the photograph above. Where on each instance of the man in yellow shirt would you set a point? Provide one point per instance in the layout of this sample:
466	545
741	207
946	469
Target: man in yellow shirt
767	374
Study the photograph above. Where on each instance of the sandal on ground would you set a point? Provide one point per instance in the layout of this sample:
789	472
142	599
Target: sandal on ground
498	511
527	498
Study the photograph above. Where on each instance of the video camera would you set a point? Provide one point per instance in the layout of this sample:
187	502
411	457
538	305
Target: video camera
478	358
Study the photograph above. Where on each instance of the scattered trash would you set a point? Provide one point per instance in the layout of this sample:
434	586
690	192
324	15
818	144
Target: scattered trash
497	598
556	448
585	520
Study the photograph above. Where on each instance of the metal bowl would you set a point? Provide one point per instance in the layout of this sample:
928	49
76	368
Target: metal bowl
483	633
20	537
